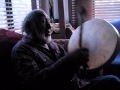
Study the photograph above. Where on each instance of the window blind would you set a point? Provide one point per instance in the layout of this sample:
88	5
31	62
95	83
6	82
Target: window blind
20	8
3	18
88	4
107	9
38	3
102	9
12	13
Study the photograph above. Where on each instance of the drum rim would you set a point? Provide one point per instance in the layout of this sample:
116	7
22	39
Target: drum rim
113	56
115	52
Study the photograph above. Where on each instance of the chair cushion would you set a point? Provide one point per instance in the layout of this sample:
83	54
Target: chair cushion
116	24
7	40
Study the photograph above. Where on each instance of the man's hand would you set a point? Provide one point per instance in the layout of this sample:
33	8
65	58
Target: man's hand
79	56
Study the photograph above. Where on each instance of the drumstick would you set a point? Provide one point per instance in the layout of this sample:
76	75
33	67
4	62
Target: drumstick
81	13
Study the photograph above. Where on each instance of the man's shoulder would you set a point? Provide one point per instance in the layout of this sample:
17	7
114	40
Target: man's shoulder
53	44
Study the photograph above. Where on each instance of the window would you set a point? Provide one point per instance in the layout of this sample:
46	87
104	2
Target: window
107	9
12	13
20	8
75	5
3	19
102	9
38	3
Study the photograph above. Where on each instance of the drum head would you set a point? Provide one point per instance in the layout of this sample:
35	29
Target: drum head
100	38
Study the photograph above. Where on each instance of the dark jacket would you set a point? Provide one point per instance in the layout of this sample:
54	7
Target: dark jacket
38	68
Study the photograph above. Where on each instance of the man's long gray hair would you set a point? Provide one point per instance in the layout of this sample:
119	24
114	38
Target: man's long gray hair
31	21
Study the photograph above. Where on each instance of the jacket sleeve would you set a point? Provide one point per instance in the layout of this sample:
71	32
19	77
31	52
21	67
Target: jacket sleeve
29	73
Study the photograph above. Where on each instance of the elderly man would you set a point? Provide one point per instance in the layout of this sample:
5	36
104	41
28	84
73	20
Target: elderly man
41	64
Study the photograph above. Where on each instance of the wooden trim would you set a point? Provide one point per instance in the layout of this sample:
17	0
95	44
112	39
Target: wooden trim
70	11
34	4
61	19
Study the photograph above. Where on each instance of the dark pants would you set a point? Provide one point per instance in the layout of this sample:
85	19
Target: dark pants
108	82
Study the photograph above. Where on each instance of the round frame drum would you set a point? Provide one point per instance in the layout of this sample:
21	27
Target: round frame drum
100	38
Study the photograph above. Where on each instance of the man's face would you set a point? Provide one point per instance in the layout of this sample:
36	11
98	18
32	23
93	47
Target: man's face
43	30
